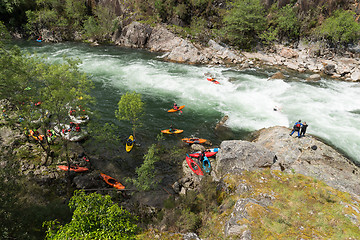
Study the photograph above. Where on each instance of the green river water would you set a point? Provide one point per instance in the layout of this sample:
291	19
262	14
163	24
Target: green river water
331	108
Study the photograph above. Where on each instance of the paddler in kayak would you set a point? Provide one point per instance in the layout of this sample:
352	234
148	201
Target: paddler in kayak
201	156
171	129
175	106
129	141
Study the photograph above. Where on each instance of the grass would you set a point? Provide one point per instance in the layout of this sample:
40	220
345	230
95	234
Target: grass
302	207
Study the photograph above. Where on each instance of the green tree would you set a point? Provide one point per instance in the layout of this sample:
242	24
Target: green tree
26	80
146	173
59	16
341	28
94	217
287	22
243	22
131	108
101	25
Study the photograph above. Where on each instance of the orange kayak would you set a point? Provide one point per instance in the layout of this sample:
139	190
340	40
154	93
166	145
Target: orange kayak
194	140
112	182
73	168
178	109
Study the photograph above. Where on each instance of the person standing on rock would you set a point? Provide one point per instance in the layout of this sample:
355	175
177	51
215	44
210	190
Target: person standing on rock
303	129
296	128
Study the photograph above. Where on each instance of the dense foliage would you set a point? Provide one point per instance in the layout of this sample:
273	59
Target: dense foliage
94	217
146	173
244	21
340	28
239	23
40	90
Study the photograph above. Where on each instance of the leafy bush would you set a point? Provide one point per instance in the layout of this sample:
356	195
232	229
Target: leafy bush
94	217
243	22
146	172
287	22
56	15
101	25
341	27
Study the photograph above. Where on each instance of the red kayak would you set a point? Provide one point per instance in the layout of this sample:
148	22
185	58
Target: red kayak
73	168
112	182
208	153
194	166
213	80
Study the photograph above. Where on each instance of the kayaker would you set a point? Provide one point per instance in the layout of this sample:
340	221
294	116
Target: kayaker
296	128
171	129
72	126
175	106
201	156
129	141
303	129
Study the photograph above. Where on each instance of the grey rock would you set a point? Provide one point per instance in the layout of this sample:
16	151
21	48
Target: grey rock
236	156
329	69
355	76
278	75
191	236
133	35
314	77
297	154
91	180
176	187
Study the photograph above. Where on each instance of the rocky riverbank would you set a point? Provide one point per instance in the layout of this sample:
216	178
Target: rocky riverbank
312	58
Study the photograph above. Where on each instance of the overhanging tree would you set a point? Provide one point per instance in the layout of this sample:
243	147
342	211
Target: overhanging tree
131	108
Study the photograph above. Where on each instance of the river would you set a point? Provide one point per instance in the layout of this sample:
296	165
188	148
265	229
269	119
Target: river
331	108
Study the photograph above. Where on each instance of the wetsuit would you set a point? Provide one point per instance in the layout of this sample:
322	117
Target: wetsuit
296	128
303	129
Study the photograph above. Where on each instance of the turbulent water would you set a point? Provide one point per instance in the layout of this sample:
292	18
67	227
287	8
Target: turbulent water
331	108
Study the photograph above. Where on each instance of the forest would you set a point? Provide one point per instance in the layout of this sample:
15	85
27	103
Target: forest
238	23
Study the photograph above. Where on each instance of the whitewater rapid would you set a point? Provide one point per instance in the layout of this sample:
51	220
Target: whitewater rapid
331	108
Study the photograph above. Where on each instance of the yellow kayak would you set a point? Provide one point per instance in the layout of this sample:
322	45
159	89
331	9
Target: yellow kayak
129	143
175	131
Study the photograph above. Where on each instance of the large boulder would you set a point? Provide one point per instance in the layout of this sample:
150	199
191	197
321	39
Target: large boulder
236	156
134	35
288	53
310	157
162	40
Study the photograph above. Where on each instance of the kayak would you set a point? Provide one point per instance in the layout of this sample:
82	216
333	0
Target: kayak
79	119
127	146
178	109
70	135
194	140
208	153
213	80
73	168
173	132
206	165
112	182
38	137
194	166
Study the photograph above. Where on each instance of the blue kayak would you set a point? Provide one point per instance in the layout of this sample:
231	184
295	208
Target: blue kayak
206	165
